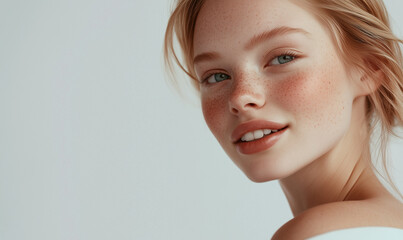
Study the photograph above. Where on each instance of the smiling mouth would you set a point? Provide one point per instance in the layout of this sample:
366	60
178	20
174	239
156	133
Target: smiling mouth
259	134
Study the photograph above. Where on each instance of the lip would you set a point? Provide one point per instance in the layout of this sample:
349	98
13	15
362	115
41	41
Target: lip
261	144
253	125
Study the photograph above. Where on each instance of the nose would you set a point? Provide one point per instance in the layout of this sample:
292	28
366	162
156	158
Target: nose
246	96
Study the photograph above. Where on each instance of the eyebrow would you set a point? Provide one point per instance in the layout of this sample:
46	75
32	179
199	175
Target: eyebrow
255	40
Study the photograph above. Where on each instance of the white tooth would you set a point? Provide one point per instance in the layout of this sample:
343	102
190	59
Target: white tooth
258	134
249	137
266	131
274	131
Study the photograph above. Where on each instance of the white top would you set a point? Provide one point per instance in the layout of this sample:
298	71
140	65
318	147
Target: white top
367	233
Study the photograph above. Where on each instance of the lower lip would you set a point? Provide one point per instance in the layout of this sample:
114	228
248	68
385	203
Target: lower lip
261	144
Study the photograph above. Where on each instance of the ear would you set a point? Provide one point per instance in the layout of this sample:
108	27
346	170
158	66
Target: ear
368	80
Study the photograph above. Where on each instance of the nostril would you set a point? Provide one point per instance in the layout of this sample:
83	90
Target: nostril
234	110
246	102
251	105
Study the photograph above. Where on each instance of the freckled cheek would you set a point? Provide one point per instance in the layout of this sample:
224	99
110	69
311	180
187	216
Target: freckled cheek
215	110
312	96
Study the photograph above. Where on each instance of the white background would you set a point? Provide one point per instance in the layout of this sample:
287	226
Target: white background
95	145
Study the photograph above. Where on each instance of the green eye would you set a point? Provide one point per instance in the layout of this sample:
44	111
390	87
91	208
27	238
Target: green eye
217	77
282	59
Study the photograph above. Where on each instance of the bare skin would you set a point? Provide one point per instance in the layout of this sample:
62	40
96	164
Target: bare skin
294	77
354	196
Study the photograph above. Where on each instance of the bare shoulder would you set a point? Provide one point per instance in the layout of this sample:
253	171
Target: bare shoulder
340	215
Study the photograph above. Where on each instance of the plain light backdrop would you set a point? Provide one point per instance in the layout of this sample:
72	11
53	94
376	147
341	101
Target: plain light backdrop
95	145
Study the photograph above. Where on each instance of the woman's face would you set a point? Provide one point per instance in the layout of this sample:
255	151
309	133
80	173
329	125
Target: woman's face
275	93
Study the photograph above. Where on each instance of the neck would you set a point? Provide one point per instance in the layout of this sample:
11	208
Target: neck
342	174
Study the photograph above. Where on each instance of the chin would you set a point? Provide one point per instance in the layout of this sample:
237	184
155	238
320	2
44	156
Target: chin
265	171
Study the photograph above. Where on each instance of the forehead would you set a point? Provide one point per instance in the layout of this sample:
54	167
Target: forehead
223	23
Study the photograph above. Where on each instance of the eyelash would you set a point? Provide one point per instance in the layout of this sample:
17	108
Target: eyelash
287	53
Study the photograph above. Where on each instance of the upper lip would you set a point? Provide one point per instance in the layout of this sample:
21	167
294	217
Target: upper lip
253	125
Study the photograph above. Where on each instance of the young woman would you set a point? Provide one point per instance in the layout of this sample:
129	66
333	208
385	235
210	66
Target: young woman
292	90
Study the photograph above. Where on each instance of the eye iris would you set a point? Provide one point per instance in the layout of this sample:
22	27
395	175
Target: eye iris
285	59
220	77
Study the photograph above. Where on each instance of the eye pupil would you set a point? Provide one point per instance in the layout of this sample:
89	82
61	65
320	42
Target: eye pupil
220	77
285	59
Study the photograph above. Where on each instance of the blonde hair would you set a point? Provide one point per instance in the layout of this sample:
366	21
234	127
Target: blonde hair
182	24
360	29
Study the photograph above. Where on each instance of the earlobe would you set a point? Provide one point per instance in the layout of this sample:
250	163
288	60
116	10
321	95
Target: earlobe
370	82
370	79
